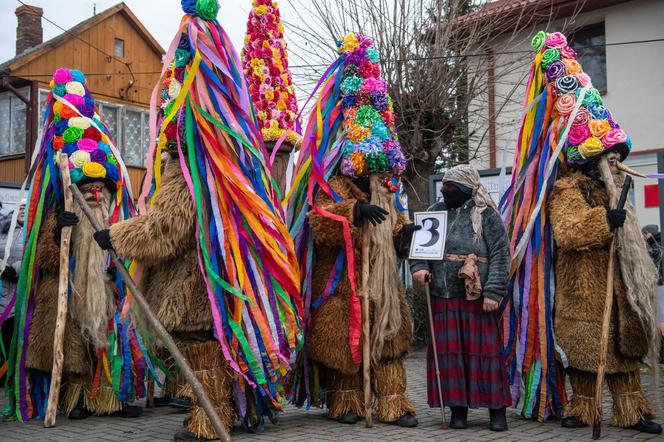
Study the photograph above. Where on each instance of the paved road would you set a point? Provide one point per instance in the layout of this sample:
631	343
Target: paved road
299	425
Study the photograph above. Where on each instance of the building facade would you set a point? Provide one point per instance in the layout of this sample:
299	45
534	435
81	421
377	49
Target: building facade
121	61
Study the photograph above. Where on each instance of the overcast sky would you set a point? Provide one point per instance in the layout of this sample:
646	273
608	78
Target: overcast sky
160	17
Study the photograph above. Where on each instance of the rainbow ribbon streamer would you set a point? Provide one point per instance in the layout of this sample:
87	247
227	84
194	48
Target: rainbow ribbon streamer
245	252
537	380
126	353
317	160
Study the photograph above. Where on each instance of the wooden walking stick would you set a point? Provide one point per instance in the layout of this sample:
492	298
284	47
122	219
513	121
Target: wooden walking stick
63	287
366	326
189	374
443	424
606	320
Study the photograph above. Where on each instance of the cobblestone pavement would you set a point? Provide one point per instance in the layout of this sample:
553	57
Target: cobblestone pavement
160	424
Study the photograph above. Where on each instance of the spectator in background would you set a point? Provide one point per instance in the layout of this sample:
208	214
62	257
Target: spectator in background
10	274
653	239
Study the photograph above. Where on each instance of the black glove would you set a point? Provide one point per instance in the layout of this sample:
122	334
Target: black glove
10	275
373	214
404	238
103	238
616	218
65	219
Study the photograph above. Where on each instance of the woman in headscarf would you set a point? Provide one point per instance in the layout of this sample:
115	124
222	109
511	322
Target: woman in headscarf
467	286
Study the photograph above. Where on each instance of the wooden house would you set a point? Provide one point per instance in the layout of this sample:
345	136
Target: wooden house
121	61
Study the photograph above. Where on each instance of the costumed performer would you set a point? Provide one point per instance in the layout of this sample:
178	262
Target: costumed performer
219	266
345	193
467	286
569	138
104	358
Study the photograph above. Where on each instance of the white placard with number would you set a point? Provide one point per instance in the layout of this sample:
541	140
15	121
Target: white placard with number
429	241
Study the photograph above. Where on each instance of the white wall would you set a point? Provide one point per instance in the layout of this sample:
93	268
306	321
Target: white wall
635	86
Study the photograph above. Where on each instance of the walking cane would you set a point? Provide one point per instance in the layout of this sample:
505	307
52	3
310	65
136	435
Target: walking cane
189	374
443	425
63	288
606	319
366	327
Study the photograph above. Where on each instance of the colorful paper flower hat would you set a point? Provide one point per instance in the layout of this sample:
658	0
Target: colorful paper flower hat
593	131
75	129
265	63
371	144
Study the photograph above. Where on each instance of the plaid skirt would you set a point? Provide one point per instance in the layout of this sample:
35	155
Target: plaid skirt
470	356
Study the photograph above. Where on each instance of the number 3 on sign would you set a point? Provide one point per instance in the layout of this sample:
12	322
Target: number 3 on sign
429	242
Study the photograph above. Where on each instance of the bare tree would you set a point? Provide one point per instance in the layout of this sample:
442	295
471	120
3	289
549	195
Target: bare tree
435	56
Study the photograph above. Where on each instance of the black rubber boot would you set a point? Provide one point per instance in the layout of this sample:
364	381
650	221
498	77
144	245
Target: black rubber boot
406	421
163	401
497	419
79	413
185	436
648	426
349	418
129	411
459	418
572	422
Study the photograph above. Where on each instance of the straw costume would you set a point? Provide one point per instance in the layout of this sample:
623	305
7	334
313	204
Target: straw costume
219	267
346	176
104	358
265	63
568	134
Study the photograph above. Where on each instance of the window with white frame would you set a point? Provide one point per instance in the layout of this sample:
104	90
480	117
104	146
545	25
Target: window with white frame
129	129
129	126
12	122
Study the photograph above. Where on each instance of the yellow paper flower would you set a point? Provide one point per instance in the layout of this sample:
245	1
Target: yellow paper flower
269	95
80	122
94	170
51	85
281	105
75	87
350	43
79	158
262	115
57	107
261	10
280	27
591	147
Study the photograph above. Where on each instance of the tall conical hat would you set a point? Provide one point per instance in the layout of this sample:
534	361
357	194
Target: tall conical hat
594	131
265	63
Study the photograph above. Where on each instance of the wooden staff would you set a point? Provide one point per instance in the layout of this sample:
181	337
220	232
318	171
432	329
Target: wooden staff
606	320
435	353
63	286
366	326
189	374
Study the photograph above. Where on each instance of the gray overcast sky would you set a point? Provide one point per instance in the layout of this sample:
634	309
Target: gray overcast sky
160	17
